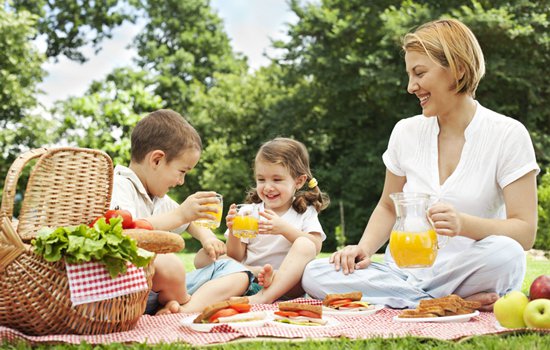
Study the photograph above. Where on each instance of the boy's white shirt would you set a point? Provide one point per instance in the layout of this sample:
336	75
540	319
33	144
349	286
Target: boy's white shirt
272	249
130	194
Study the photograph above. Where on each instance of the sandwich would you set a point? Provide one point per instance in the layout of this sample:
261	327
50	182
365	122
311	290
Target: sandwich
227	311
346	301
450	305
300	314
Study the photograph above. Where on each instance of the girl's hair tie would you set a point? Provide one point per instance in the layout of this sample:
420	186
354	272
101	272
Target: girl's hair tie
312	183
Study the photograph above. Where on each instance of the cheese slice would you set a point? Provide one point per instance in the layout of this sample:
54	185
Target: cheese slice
301	320
244	317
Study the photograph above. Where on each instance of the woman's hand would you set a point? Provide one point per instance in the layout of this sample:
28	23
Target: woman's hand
351	258
446	220
271	224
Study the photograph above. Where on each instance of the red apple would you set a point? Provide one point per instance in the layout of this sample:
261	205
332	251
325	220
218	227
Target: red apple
540	288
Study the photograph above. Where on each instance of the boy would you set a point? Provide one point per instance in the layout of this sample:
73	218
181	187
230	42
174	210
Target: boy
164	148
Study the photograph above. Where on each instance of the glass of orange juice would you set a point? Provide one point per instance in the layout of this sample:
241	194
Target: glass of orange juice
245	222
212	223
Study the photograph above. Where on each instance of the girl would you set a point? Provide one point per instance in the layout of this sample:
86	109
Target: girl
290	234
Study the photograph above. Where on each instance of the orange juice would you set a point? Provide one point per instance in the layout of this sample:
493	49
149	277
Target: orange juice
245	226
413	249
212	224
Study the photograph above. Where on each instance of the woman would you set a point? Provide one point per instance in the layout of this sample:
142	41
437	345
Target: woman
479	164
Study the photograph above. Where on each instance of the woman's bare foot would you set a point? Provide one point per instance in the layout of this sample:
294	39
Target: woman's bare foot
486	299
172	307
265	276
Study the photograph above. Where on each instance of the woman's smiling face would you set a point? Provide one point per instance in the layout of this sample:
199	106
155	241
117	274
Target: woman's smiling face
431	83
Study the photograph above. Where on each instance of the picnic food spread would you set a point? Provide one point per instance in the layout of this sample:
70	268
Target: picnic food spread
346	301
232	310
300	314
450	305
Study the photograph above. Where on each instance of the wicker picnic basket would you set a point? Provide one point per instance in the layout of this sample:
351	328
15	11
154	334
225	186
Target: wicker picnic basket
67	186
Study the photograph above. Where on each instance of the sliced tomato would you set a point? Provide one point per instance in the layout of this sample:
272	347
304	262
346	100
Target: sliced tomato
340	302
307	313
287	313
241	307
222	313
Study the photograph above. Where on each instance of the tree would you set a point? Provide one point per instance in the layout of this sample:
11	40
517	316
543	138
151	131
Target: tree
68	25
184	43
20	72
104	117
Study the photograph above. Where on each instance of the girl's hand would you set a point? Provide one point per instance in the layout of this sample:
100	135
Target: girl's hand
271	224
230	216
446	220
351	258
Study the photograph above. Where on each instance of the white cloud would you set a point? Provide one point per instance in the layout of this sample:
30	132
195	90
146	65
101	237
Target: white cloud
249	23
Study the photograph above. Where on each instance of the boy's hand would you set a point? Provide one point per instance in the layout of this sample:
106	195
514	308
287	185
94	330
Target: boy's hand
271	224
192	208
214	248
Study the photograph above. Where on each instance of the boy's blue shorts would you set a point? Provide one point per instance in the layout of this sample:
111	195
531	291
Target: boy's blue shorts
195	279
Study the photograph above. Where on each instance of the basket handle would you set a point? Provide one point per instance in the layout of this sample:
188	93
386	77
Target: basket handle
10	185
11	245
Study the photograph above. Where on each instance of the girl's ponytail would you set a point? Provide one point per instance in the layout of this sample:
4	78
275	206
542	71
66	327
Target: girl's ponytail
311	196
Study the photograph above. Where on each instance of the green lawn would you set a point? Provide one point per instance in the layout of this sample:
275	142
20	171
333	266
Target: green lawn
526	340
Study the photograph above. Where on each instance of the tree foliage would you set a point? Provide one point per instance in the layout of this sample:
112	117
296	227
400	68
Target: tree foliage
185	44
68	25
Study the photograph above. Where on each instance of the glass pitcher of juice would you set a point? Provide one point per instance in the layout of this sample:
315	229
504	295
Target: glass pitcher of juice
413	241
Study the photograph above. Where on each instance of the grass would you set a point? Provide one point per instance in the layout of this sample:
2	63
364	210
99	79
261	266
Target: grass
526	340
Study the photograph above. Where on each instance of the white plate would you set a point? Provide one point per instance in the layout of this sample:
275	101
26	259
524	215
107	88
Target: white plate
207	327
371	310
331	322
454	318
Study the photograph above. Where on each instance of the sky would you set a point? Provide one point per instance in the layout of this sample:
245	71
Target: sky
250	24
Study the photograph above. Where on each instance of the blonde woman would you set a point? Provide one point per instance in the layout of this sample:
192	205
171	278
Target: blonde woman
479	164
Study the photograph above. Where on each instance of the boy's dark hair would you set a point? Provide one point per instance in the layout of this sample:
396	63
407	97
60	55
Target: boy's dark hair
163	130
294	156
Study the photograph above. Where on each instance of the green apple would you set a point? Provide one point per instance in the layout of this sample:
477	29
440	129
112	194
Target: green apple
537	313
509	309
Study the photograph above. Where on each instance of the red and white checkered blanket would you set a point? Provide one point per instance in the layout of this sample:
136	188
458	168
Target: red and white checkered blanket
168	329
90	282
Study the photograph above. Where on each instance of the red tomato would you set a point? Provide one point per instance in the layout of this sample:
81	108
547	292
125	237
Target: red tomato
241	307
91	224
340	302
306	313
127	221
287	313
222	313
143	224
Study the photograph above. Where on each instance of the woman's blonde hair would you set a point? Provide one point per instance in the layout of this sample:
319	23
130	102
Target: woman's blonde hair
450	44
294	156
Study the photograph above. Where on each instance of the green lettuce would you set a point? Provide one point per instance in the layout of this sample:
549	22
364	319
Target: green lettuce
104	243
